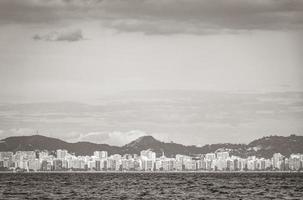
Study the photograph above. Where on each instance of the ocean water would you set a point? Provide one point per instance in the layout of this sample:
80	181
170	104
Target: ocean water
151	186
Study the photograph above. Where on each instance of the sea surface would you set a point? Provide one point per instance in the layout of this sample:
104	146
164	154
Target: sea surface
151	186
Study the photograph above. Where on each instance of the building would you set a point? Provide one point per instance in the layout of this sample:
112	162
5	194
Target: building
34	165
148	155
61	154
222	155
147	161
277	160
210	156
101	154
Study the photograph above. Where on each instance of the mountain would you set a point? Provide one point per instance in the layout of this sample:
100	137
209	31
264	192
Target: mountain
39	142
267	146
149	142
263	147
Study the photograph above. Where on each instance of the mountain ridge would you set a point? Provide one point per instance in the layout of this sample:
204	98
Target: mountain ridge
262	147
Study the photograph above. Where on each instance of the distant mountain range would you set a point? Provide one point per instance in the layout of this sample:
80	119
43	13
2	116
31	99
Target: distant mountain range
264	147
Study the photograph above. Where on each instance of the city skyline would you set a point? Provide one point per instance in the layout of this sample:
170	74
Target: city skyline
168	91
260	147
196	72
220	160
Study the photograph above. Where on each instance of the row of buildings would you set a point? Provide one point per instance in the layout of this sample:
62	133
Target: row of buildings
62	160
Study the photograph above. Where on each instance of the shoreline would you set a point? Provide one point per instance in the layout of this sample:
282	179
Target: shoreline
152	172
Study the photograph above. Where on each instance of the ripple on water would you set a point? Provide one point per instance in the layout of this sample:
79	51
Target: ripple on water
152	186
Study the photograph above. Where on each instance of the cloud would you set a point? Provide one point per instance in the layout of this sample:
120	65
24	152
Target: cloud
22	131
68	36
114	138
190	117
206	16
16	132
156	27
161	17
170	109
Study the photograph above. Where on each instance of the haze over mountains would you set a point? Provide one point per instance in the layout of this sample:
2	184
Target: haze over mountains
263	147
187	117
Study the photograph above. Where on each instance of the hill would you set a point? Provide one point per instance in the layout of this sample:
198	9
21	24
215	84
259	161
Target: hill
267	146
39	142
263	147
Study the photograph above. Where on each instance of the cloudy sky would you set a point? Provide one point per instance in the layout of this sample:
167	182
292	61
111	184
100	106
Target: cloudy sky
189	71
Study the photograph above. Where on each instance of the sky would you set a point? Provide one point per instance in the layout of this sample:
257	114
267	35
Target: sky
188	71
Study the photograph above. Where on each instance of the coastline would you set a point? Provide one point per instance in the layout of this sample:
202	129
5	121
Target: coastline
153	172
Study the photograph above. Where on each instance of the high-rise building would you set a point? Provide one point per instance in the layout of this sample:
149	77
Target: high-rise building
57	165
222	155
6	155
34	165
148	155
294	162
61	154
98	165
101	154
179	165
185	161
210	156
190	165
277	160
43	155
25	155
148	165
27	160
